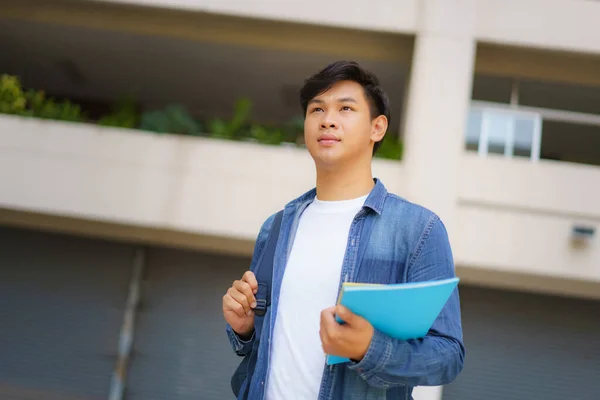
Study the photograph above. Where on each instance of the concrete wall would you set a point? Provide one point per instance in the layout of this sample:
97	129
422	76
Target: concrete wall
195	185
514	241
384	15
558	24
518	185
516	216
511	216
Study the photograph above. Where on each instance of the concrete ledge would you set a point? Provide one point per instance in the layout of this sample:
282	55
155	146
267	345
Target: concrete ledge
383	15
160	183
530	283
216	22
546	187
497	239
214	195
570	25
126	233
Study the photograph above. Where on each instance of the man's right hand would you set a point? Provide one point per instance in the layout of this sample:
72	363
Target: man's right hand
238	304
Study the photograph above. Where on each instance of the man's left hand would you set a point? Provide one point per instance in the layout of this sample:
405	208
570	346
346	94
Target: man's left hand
351	339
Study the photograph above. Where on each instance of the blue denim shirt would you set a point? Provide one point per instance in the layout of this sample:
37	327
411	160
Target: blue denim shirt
391	241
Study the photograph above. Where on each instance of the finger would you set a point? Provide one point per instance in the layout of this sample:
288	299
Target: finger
250	279
346	315
231	305
242	299
328	320
329	311
324	332
244	288
328	316
330	329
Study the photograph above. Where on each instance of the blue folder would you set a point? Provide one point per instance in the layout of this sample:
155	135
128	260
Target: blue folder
403	311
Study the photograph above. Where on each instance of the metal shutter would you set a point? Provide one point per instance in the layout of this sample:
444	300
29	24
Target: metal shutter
61	308
524	346
181	350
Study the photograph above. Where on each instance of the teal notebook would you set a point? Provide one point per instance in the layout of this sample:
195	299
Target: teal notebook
403	311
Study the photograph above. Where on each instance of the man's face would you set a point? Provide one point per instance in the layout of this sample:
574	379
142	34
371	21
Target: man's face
338	125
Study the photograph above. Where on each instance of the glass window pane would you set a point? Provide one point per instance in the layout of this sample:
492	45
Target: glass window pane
524	127
474	129
498	128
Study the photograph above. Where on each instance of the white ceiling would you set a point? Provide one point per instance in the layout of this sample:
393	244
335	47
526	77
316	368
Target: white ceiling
206	77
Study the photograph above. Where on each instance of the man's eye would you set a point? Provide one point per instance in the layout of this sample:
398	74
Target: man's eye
317	109
346	108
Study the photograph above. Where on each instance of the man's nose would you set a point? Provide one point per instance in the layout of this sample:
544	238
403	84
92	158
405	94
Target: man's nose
329	123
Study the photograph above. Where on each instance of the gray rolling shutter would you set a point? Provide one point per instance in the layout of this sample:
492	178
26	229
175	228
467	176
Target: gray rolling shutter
61	307
181	350
524	346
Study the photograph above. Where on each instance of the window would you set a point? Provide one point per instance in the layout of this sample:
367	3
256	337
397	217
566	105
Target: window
505	131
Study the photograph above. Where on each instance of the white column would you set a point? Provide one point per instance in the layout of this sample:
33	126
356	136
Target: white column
437	106
427	393
438	100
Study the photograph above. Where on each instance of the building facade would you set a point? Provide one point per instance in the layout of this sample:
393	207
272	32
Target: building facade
117	245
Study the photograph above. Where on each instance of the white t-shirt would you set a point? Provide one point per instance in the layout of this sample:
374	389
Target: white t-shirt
310	284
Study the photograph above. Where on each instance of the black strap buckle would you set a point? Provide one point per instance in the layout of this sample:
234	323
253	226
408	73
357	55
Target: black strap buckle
261	307
262	299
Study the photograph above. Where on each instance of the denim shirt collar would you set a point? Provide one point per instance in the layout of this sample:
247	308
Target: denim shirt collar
374	200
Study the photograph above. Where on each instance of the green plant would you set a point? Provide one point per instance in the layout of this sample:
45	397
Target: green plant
12	98
124	114
295	130
48	108
35	100
391	148
232	129
267	135
173	119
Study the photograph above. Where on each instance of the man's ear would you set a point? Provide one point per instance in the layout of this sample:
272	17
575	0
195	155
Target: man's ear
380	125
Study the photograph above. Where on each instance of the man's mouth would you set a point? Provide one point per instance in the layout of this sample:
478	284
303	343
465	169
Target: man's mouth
328	139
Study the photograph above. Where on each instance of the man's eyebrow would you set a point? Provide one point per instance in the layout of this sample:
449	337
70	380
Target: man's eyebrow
340	100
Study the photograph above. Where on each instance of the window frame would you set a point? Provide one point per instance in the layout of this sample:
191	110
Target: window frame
488	110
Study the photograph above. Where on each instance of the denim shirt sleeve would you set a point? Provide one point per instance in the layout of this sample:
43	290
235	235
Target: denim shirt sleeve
240	347
243	347
436	359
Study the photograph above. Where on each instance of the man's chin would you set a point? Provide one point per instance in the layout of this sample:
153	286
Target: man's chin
329	161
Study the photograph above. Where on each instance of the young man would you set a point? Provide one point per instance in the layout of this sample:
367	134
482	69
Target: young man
349	228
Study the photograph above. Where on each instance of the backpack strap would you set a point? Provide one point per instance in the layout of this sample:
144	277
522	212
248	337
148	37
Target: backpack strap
264	271
240	381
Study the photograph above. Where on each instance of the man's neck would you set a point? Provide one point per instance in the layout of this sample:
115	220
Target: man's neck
337	185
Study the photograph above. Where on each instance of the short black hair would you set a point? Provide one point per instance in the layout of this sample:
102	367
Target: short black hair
347	71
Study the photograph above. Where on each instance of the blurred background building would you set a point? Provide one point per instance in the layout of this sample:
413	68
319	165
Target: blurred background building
144	142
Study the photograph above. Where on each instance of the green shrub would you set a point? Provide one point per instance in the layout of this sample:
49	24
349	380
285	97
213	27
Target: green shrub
266	135
124	114
295	130
234	128
173	119
391	148
12	98
48	108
